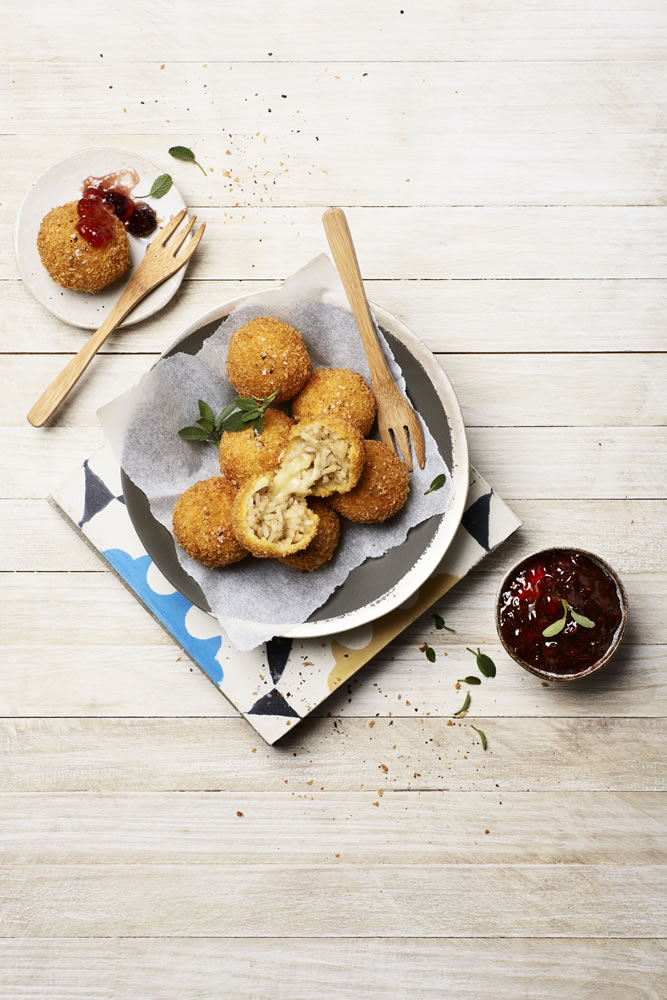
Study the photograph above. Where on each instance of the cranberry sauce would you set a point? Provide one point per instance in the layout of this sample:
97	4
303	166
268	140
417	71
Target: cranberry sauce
104	197
554	587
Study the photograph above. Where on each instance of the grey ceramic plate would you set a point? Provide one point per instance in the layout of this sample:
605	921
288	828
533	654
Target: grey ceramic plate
378	585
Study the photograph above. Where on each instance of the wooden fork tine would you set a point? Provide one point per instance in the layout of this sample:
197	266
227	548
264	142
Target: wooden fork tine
192	245
182	233
417	438
167	230
403	442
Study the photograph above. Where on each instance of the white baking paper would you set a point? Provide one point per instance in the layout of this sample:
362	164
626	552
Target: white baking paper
257	598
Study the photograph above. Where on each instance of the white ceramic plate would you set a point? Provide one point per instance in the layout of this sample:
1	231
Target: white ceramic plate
62	183
380	585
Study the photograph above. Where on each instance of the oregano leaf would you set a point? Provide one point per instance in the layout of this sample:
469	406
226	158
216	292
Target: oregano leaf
437	484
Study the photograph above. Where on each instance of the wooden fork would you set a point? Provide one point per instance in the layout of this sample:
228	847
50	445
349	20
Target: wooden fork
395	415
161	260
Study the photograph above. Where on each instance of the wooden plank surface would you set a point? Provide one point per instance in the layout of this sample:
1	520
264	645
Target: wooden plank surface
451	316
271	968
338	828
503	164
125	754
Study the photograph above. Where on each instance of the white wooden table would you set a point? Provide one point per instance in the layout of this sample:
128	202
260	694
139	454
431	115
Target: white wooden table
503	168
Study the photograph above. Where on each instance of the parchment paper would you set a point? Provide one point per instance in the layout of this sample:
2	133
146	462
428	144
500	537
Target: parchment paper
257	598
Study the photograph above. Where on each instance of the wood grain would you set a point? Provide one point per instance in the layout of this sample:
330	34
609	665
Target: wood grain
450	316
464	901
306	826
275	969
189	754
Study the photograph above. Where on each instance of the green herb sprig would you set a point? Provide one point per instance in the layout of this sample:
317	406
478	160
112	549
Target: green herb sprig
241	413
440	623
557	627
464	707
485	664
437	484
482	736
428	652
183	153
161	185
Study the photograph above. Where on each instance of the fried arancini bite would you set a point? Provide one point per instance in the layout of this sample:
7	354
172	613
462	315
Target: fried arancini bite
270	516
336	392
267	354
244	454
324	455
271	522
323	545
202	523
382	489
71	261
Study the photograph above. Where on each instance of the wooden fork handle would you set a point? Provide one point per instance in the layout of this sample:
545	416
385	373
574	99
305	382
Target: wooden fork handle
345	257
52	397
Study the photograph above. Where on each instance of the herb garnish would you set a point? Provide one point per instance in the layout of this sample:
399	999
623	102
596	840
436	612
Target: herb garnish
161	185
472	679
485	664
556	627
464	707
437	484
482	736
183	153
428	651
241	413
440	623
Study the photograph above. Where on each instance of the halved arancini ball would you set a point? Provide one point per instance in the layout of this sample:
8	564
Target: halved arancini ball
323	545
381	491
244	454
71	261
267	354
202	522
336	392
269	520
324	455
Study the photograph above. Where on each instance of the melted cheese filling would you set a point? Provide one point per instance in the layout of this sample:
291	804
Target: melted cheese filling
278	512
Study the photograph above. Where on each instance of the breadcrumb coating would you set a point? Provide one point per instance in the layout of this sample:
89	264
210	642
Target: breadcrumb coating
202	523
242	454
336	392
71	261
381	491
267	354
323	545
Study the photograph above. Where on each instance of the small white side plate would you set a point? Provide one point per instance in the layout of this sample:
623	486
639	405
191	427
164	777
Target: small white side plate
60	184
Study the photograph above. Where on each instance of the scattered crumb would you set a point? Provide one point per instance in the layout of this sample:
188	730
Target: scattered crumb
376	803
371	724
380	792
239	813
545	684
310	782
487	831
384	768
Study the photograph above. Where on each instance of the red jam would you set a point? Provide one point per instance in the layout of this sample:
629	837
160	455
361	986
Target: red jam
104	197
532	601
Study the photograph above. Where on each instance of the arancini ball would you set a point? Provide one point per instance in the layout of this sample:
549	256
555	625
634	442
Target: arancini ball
244	454
381	491
71	261
271	522
324	455
336	392
323	545
202	522
267	354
